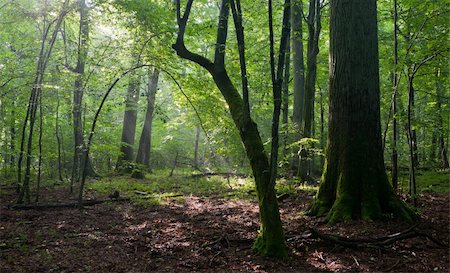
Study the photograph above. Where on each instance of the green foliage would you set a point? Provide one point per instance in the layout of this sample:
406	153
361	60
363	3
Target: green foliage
427	181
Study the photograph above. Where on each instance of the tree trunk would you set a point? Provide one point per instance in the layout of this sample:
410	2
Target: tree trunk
270	241
285	107
58	138
129	123
314	26
83	37
442	147
298	71
43	58
355	185
322	128
143	154
196	144
412	142
394	106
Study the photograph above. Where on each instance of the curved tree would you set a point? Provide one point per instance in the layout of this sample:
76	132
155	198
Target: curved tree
270	241
354	181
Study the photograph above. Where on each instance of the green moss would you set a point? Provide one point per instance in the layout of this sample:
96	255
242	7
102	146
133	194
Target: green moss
275	247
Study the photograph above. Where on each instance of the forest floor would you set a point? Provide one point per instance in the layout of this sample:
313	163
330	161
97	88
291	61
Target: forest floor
204	234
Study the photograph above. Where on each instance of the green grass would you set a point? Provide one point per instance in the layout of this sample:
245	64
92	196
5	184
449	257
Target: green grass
157	187
427	181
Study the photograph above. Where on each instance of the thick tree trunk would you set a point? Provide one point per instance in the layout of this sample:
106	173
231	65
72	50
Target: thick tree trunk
129	123
355	185
143	154
298	71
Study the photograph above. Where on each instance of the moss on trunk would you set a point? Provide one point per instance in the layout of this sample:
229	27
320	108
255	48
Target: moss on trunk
354	182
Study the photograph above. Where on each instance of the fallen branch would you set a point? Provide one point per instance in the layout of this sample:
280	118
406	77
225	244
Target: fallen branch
241	175
41	206
374	242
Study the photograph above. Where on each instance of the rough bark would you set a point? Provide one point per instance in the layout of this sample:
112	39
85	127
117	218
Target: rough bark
143	154
354	182
270	241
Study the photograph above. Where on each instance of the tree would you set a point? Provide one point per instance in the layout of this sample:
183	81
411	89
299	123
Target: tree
129	123
270	241
78	93
298	70
314	27
36	90
354	181
143	154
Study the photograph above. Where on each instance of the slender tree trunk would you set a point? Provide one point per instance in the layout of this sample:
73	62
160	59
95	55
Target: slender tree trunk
411	142
196	144
355	185
322	130
12	139
285	107
83	38
394	106
39	175
143	154
314	26
44	56
58	138
298	71
443	157
270	241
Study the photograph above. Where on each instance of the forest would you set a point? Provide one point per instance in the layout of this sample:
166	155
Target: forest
224	136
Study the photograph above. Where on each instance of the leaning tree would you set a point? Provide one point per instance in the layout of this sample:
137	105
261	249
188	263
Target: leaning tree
354	181
270	241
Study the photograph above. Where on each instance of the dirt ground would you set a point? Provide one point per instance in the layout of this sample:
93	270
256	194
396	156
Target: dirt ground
205	235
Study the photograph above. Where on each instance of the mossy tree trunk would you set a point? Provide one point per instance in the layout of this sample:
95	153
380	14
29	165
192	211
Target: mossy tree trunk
270	241
354	181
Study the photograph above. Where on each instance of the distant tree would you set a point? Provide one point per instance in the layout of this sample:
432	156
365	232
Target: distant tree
354	181
129	122
143	154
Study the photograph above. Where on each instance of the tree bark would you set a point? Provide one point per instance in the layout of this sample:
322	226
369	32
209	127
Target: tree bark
314	27
298	71
143	154
354	184
270	241
394	104
285	107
